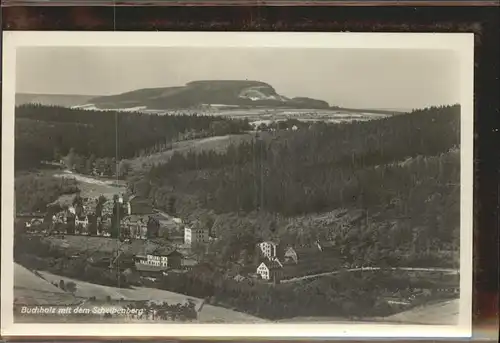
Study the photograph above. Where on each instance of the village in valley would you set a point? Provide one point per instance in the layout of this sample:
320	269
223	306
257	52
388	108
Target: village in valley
224	200
151	243
124	240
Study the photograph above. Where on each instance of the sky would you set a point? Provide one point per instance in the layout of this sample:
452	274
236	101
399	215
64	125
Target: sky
358	78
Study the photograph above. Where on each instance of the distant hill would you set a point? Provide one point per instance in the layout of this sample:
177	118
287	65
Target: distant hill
372	110
66	100
202	93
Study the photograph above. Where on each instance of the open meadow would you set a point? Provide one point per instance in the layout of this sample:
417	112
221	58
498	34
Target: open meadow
41	287
217	143
90	187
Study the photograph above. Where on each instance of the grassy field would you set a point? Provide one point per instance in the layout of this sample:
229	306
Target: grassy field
31	289
89	244
439	313
91	188
218	144
208	313
26	279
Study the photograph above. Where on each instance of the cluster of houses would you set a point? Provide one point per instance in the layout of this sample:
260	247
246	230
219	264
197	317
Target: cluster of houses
139	220
280	262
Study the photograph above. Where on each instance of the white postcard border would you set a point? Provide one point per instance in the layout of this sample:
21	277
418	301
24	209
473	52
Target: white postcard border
461	43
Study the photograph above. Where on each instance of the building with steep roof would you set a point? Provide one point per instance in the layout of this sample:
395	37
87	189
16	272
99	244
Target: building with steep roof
301	254
271	270
269	249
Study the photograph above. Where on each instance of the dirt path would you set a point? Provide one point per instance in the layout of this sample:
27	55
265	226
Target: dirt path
440	270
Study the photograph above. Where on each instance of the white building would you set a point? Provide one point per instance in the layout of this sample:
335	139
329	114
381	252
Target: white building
162	258
195	234
271	270
157	261
269	249
82	221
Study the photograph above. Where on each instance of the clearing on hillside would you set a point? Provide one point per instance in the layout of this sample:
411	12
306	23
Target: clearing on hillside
218	144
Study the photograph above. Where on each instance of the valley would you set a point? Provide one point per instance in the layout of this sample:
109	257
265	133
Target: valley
262	199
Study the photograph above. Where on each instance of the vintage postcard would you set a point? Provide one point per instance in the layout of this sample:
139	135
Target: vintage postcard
237	184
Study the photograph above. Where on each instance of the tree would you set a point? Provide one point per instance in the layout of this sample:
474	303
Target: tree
70	287
109	167
100	166
71	159
77	201
57	154
220	128
89	164
199	249
142	188
153	227
79	210
100	204
124	168
92	224
207	221
171	206
116	218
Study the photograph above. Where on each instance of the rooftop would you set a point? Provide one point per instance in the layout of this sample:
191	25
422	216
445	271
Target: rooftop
147	268
309	266
136	218
272	264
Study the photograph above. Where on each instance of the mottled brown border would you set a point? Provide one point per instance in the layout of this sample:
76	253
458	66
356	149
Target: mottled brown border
483	21
254	3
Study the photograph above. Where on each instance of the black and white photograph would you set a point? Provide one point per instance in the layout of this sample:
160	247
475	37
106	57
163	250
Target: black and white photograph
306	184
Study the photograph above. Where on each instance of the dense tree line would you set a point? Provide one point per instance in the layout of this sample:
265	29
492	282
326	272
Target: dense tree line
323	168
356	145
34	252
165	311
50	132
403	172
343	295
34	192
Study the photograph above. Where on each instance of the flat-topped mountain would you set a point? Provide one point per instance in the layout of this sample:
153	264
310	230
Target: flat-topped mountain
207	92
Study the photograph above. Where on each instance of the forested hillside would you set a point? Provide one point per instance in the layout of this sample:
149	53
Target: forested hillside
50	132
402	172
35	192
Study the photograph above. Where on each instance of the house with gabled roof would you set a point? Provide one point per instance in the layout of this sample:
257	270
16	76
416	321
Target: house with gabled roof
299	254
271	270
